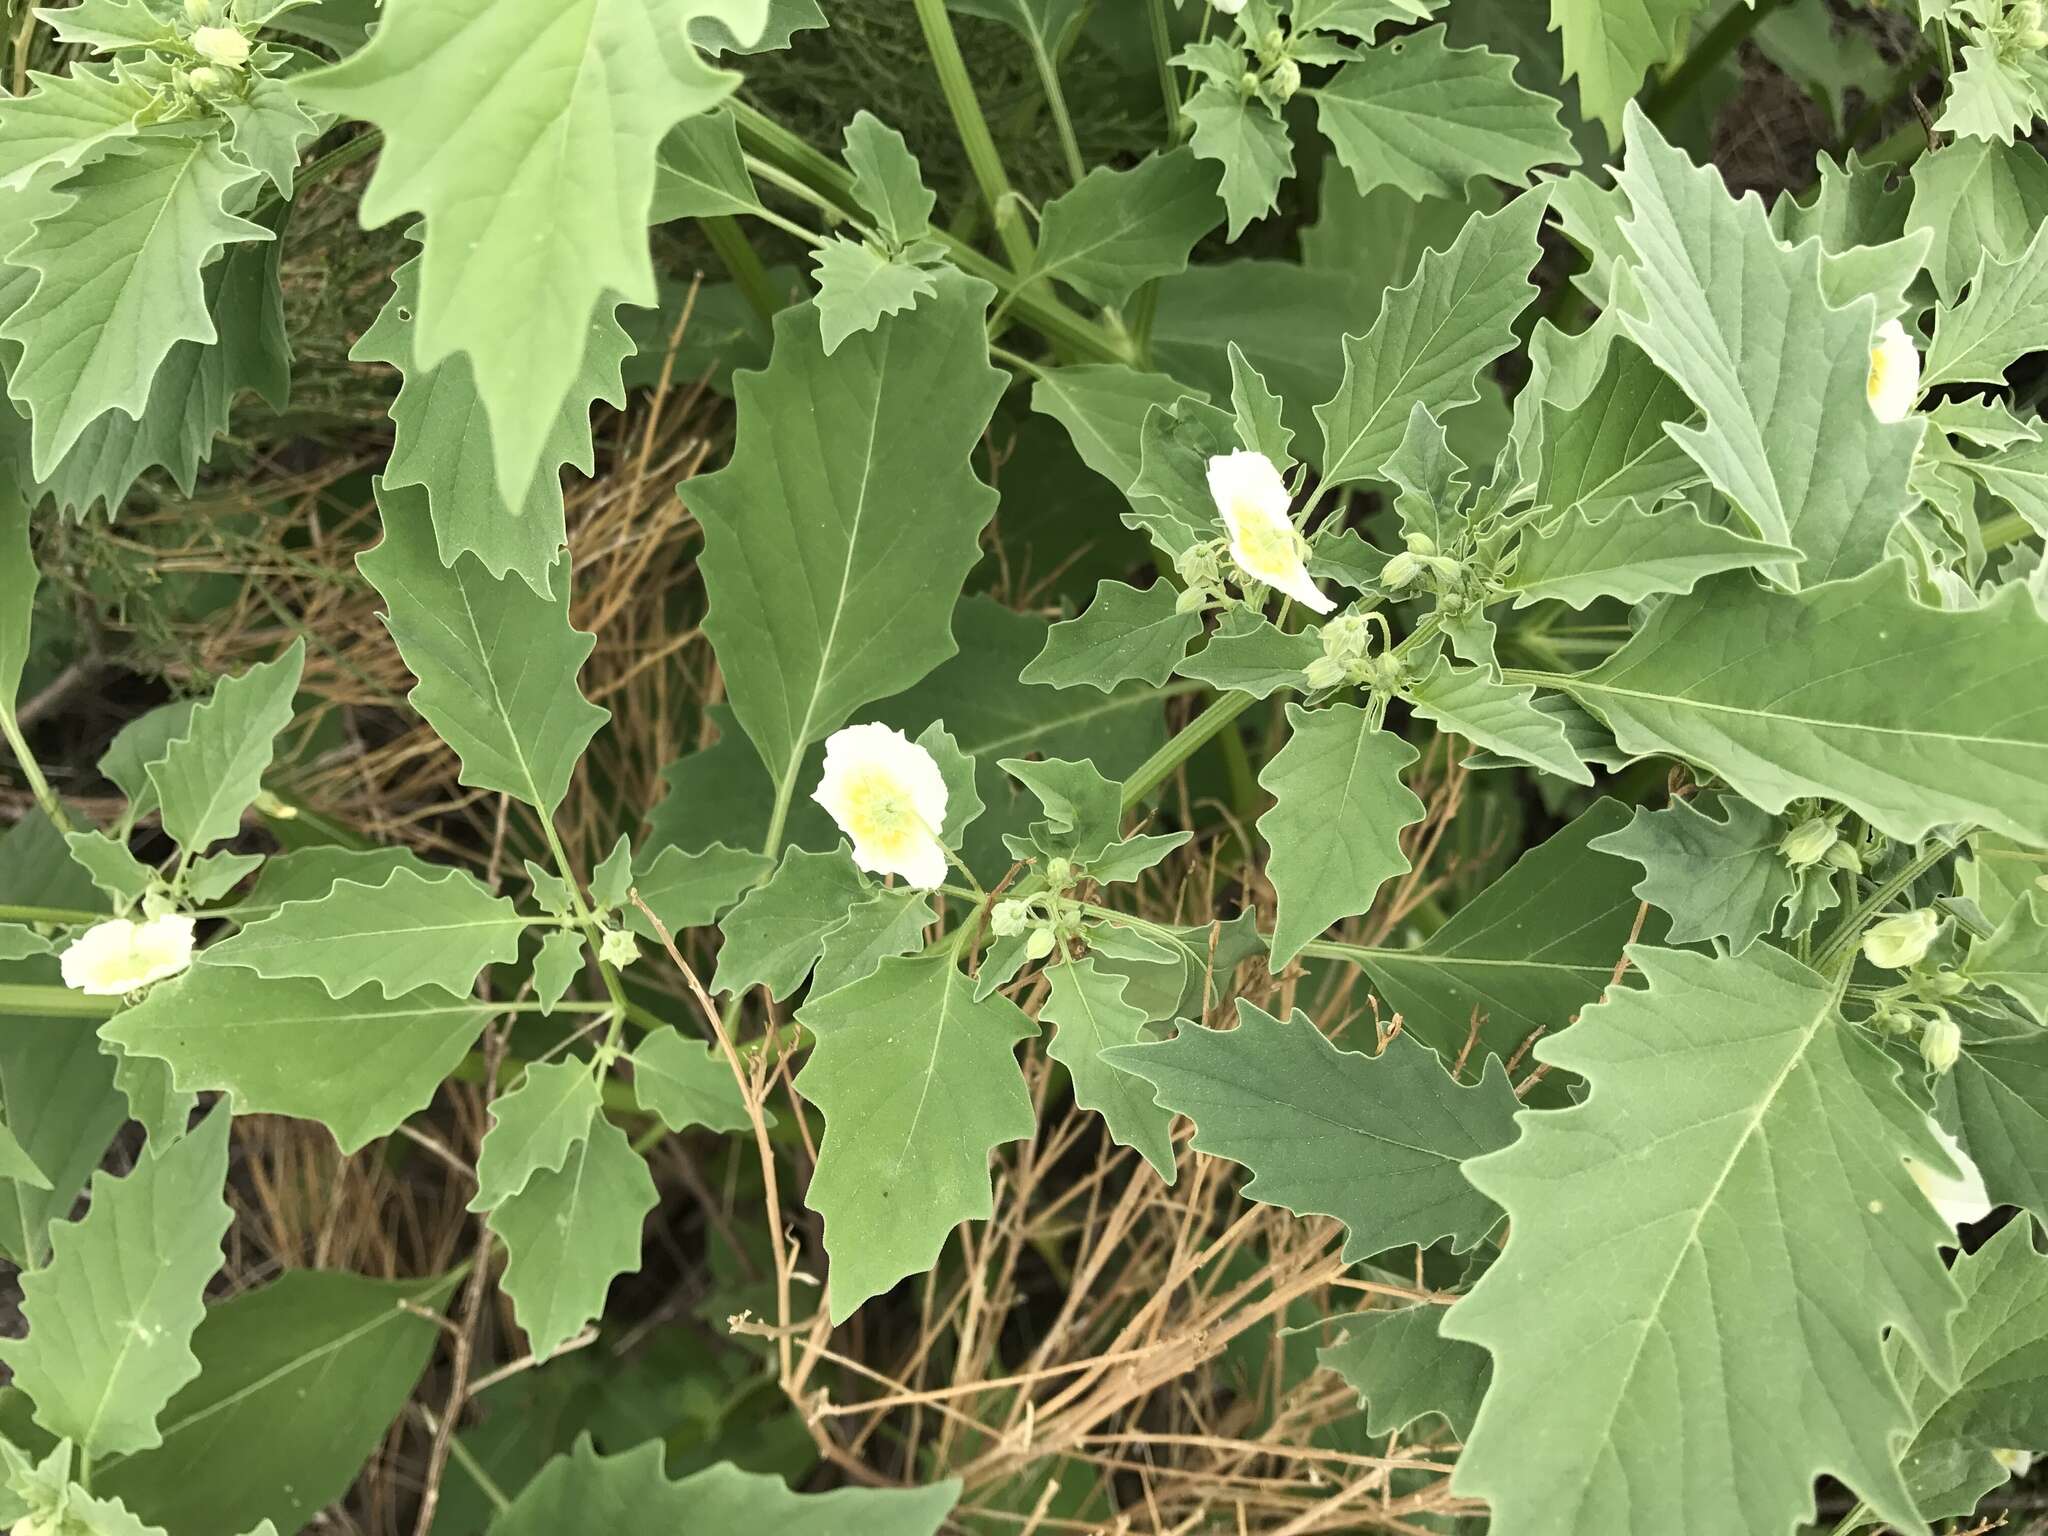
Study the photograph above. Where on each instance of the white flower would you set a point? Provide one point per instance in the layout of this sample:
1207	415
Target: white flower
225	46
1959	1200
2015	1463
1228	7
1894	383
1900	943
1253	500
888	795
113	958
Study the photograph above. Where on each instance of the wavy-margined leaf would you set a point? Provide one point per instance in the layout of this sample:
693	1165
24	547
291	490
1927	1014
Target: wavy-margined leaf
1431	339
888	922
1403	1369
359	1065
1980	199
572	1230
1103	406
211	774
687	1082
1335	826
1126	633
119	281
110	1317
442	439
1608	446
1417	114
2017	476
496	662
1631	554
64	118
1999	1398
526	132
534	1127
2002	318
702	172
1788	436
1116	229
775	935
1716	877
1529	951
688	890
18	581
1249	140
858	286
404	933
1998	91
1501	717
2015	957
887	181
1375	1141
582	1490
1920	717
1610	45
918	1083
837	539
1249	653
1755	1232
2001	1099
1090	1016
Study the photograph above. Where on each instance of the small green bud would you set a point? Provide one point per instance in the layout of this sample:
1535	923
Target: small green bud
1889	1020
1039	945
1941	1042
1249	85
1059	873
1009	919
1286	78
1943	983
1807	844
1421	544
1900	943
226	46
618	948
1324	672
204	80
1842	854
1192	600
1444	568
157	902
1388	673
1273	44
1404	570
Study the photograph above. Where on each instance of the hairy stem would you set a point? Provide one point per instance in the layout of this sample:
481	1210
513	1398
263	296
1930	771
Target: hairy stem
972	127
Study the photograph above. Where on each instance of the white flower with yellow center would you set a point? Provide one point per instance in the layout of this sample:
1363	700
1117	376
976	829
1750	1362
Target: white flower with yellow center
1253	501
225	46
2016	1463
1959	1200
888	796
116	957
1893	387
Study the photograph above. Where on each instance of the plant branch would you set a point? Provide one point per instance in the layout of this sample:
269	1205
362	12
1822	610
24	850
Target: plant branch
972	126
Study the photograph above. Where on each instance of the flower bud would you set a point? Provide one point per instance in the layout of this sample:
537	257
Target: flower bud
1039	945
1388	673
1273	44
1009	919
1346	637
618	948
226	46
1444	568
199	12
1192	600
1324	672
1842	854
205	79
1227	7
1941	1042
1059	873
1286	78
1249	85
1900	943
1421	544
1807	844
1404	570
2015	1463
1943	983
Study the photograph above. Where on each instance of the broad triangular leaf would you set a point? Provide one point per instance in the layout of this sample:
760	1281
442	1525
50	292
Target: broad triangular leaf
1715	877
534	1127
1117	229
1089	1015
209	775
2002	319
775	935
1126	632
1403	1369
686	1082
1631	554
1249	140
1500	717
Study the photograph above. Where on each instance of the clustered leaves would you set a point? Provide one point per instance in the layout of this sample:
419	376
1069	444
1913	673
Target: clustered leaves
1684	1111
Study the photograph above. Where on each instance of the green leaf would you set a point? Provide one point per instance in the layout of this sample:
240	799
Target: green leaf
1980	199
570	1232
405	933
786	18
1997	93
1610	446
1117	229
1429	478
1083	810
918	1082
889	922
2015	957
358	1065
1103	406
1610	45
2001	1094
496	662
2002	318
211	877
1498	716
1631	554
1375	1141
691	890
1170	499
534	1128
858	286
18	580
270	130
307	874
583	1491
65	118
1417	114
113	868
138	744
17	1165
526	132
1259	424
1403	1369
556	967
1528	952
1715	877
18	941
1728	1210
1243	135
1919	717
1357	18
1999	1397
1335	826
1248	653
110	1317
119	282
442	440
1789	436
836	540
1431	339
210	775
1043	23
687	1083
2017	476
62	1107
613	876
775	935
1130	858
701	172
956	770
1126	632
886	181
1090	1016
109	26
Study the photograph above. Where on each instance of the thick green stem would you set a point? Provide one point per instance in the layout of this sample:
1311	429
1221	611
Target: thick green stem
1055	98
33	771
28	1001
737	254
972	127
1841	945
10	914
1159	767
1162	52
1721	39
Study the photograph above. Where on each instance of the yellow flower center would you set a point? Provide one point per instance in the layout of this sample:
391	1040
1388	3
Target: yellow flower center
1267	549
1879	365
880	816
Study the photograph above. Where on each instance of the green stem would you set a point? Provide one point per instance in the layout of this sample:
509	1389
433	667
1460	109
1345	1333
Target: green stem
466	1460
49	915
32	770
1841	945
739	258
2009	529
1055	98
972	127
28	1001
363	145
1159	767
1721	39
1162	52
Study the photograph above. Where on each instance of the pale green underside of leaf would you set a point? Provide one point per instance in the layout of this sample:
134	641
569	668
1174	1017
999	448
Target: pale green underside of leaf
1468	702
1980	199
526	132
496	662
1090	1015
918	1083
1116	229
359	1065
209	776
1334	829
534	1127
1126	633
2003	317
1376	1142
1735	1179
1631	554
1921	716
836	540
858	286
